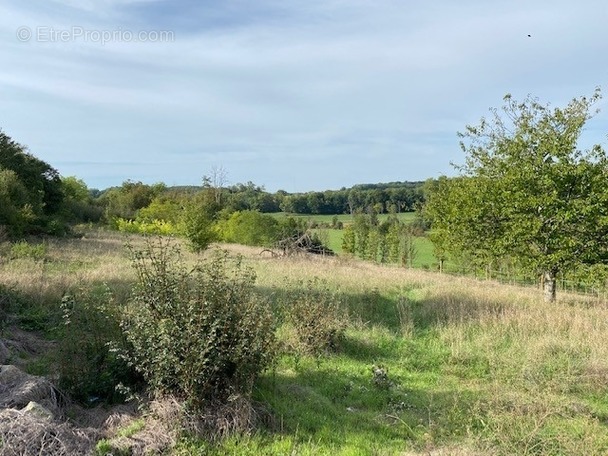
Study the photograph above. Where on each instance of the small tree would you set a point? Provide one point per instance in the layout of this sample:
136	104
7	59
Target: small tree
198	220
526	191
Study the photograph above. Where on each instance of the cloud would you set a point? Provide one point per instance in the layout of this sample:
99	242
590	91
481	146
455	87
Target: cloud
274	89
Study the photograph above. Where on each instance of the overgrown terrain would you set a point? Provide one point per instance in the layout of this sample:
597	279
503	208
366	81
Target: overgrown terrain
413	363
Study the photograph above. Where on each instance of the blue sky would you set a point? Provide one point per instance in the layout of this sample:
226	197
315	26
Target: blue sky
290	95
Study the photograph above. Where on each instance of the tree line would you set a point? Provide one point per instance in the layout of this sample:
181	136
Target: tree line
35	199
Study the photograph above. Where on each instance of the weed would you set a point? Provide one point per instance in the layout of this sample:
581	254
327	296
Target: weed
23	249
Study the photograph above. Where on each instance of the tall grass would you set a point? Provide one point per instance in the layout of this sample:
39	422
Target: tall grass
473	367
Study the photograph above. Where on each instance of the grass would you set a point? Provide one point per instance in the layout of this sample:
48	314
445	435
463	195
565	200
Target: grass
473	367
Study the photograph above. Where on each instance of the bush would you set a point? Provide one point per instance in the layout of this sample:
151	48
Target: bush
198	221
153	227
318	317
89	366
197	333
250	228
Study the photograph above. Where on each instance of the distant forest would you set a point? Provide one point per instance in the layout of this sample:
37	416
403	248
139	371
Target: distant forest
392	197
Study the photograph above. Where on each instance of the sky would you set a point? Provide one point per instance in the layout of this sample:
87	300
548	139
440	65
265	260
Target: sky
291	95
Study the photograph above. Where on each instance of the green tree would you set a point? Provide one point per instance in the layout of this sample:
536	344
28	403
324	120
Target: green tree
78	205
527	191
125	201
250	228
198	220
42	184
15	211
349	240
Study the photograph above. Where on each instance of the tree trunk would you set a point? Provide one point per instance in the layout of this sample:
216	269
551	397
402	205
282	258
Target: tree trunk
549	286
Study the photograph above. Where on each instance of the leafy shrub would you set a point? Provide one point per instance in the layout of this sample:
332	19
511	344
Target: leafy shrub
317	315
197	333
198	224
155	227
90	368
250	228
24	249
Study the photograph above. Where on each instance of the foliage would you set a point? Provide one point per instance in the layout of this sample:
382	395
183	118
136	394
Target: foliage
90	338
349	241
23	249
390	197
318	316
155	226
527	191
198	220
167	208
125	201
199	333
388	241
250	228
78	205
31	194
16	213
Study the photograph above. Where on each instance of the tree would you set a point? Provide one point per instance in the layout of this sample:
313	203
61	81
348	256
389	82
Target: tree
15	211
216	181
125	201
526	191
250	228
78	203
42	184
198	219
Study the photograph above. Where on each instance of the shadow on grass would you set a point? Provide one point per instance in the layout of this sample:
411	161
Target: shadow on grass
342	409
453	308
370	308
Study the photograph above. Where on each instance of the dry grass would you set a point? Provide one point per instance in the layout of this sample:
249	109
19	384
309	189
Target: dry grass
534	364
26	434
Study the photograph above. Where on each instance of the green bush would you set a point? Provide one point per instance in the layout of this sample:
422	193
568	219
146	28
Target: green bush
198	223
317	315
197	333
153	227
250	228
90	339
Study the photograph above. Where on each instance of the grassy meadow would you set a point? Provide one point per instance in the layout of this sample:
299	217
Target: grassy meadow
430	363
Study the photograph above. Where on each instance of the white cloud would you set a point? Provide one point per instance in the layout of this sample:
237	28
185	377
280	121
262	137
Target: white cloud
328	80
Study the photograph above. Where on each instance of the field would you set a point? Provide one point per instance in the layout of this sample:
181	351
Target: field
462	367
333	237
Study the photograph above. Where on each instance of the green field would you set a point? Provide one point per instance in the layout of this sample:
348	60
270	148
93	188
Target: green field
333	237
424	247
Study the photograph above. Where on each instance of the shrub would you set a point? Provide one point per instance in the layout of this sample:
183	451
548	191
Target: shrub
153	227
197	333
89	366
197	224
250	228
318	317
